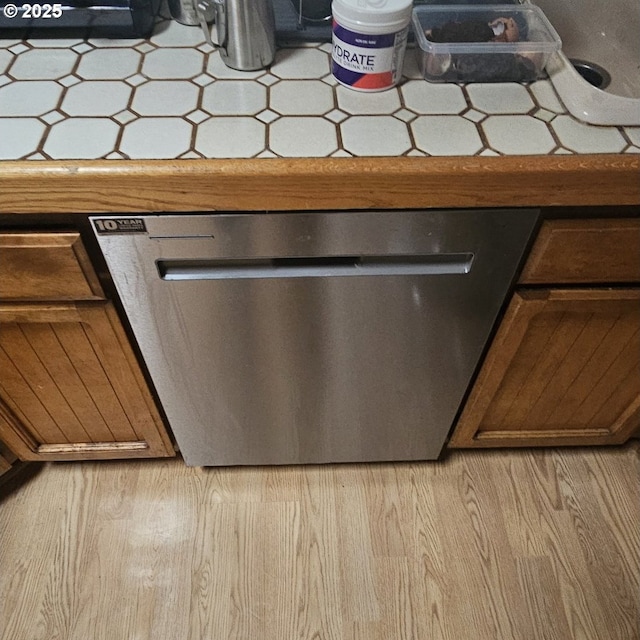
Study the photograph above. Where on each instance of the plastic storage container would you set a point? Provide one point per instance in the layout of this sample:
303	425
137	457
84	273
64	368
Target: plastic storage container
520	60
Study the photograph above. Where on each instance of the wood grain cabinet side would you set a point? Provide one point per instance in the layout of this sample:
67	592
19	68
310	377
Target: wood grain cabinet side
71	387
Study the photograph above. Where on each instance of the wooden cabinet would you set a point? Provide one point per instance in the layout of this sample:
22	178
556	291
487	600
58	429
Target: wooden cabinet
598	251
70	384
7	458
564	366
46	266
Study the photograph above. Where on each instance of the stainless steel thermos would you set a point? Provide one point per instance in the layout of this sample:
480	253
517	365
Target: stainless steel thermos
186	12
244	30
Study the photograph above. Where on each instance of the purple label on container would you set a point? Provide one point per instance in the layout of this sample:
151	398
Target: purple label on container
367	62
378	41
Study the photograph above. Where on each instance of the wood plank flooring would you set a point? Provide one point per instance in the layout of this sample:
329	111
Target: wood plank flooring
483	545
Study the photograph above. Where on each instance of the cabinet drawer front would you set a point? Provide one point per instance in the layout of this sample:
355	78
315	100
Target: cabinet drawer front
46	266
585	251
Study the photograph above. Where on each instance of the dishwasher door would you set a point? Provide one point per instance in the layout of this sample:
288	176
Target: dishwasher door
279	338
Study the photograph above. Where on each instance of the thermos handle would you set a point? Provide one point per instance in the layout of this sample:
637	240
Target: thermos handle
220	7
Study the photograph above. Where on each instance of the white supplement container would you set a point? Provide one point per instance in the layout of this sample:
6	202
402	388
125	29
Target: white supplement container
369	41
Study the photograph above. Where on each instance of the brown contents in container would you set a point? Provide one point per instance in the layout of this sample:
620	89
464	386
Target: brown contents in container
498	30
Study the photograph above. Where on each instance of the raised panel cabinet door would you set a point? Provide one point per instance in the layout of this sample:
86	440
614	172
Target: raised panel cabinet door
71	387
563	369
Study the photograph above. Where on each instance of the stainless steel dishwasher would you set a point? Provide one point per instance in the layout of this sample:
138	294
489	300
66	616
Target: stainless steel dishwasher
279	338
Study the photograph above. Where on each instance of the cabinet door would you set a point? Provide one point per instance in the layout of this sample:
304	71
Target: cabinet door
70	386
563	369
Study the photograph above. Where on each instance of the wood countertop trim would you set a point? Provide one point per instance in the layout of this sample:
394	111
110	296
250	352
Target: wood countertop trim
317	183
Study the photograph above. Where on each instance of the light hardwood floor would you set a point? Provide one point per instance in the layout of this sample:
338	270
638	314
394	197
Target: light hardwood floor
483	545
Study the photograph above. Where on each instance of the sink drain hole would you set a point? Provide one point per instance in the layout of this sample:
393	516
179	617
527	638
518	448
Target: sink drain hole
593	73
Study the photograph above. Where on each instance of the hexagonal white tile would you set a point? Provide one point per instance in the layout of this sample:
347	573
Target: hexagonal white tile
234	98
446	135
6	58
500	97
330	80
586	138
156	138
20	137
38	38
174	34
81	138
16	38
301	97
222	137
173	64
546	96
165	98
294	137
521	135
43	64
132	80
96	98
426	97
114	43
29	98
218	69
633	133
301	63
364	103
375	136
109	64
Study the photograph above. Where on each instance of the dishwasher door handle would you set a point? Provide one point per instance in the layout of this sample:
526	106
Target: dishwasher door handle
316	267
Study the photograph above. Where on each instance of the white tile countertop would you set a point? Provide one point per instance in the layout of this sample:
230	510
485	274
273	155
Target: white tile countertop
172	97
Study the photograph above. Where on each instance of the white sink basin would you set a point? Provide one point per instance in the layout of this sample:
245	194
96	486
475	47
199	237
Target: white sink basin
605	34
